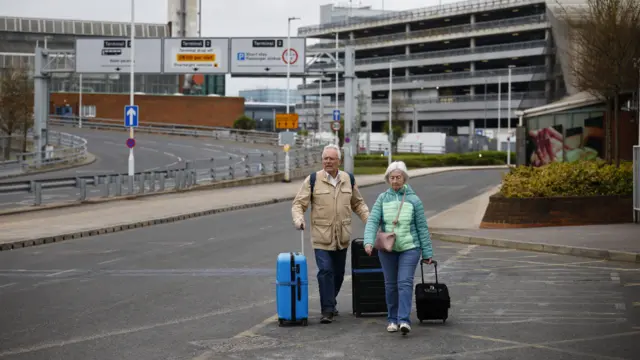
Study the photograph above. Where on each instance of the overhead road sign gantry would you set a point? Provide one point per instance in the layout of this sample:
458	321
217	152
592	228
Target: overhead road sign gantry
131	114
113	55
267	56
196	55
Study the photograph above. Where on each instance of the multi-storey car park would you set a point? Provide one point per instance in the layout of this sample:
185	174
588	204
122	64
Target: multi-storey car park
443	58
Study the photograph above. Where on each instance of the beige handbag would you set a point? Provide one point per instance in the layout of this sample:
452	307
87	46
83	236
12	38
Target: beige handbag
386	240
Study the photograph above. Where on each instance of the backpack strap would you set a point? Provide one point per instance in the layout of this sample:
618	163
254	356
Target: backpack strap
312	182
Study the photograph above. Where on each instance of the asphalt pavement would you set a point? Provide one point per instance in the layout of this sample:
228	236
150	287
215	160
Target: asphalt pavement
152	153
204	288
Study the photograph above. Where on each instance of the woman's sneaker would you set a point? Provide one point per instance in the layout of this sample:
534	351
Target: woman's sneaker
405	328
392	327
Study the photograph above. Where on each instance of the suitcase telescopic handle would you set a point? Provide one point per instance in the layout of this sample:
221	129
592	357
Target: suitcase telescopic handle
435	268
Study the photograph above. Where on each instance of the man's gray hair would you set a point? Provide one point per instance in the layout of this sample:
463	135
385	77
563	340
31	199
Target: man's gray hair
334	147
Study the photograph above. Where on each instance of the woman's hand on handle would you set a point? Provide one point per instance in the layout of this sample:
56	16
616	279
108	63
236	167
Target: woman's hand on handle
368	249
427	261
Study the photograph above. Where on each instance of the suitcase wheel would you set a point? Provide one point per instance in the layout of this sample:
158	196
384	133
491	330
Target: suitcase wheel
420	321
444	321
305	322
280	322
358	314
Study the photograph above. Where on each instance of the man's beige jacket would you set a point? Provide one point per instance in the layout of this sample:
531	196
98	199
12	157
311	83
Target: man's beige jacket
331	210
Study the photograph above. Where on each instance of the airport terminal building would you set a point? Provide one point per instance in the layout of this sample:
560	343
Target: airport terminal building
449	63
20	36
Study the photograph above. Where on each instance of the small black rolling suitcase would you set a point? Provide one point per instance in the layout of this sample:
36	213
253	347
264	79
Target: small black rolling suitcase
367	281
432	299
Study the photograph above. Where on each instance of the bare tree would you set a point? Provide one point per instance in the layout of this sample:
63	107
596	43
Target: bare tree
16	104
604	37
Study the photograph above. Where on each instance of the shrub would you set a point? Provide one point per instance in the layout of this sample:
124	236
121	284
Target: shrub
582	178
422	160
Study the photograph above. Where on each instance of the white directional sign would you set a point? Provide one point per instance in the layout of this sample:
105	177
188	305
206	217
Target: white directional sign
267	56
196	55
114	55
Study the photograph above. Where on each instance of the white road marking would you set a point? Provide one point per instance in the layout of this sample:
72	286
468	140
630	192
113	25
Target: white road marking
110	261
6	285
60	272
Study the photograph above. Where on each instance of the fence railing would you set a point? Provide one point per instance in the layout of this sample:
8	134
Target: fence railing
636	184
442	53
466	28
189	174
63	149
218	133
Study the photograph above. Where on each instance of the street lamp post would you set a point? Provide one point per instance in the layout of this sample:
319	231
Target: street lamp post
131	169
289	56
390	111
509	118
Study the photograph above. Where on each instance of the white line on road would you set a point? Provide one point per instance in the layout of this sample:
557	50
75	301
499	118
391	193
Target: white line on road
615	277
61	272
110	261
6	285
180	145
148	149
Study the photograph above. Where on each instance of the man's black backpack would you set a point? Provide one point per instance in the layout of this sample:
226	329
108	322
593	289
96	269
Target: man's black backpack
312	182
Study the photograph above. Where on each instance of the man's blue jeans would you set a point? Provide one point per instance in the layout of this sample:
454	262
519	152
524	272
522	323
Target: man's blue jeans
330	276
399	269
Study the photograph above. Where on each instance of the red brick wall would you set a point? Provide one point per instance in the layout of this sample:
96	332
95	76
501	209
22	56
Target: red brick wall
187	110
562	211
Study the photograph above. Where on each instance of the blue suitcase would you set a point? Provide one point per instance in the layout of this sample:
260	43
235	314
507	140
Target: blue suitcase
292	289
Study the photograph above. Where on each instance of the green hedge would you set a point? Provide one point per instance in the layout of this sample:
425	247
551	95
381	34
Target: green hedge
420	160
583	178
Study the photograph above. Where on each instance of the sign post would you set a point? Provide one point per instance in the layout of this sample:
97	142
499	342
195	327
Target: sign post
287	167
336	119
131	113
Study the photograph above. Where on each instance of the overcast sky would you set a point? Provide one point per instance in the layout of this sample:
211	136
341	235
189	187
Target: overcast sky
224	18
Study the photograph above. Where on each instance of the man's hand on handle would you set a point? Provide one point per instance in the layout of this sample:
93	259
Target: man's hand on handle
299	224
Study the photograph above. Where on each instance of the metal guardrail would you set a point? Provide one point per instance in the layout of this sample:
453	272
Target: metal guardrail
462	29
417	14
636	184
403	147
66	148
441	54
218	133
443	76
515	96
194	172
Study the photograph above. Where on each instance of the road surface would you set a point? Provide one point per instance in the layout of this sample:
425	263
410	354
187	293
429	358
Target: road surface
152	152
204	289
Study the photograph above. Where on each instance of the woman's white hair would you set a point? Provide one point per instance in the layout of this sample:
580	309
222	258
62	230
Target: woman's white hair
396	165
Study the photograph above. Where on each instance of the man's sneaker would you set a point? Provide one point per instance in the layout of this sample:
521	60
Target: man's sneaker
392	327
405	328
336	312
326	318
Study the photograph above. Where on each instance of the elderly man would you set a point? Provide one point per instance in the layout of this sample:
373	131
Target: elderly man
333	196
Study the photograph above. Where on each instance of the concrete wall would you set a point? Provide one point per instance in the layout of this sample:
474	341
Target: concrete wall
188	110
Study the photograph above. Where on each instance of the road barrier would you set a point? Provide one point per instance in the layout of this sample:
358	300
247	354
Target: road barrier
64	149
218	133
194	172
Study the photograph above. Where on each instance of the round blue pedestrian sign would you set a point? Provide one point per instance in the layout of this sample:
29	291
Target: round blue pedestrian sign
131	143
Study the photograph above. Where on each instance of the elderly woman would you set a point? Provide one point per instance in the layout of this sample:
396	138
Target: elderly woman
412	239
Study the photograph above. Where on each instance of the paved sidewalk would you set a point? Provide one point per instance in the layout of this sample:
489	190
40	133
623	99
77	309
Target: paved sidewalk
34	228
613	242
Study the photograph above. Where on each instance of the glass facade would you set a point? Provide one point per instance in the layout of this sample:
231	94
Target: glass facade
573	135
270	96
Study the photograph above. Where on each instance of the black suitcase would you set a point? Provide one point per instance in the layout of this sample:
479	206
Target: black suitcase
432	299
367	281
